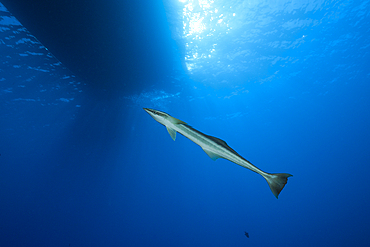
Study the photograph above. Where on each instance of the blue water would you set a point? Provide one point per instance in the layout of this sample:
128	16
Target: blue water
285	83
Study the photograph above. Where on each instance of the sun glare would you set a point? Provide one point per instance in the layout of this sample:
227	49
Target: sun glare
203	20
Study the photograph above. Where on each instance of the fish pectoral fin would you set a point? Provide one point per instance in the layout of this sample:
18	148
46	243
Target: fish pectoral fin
176	121
172	133
212	155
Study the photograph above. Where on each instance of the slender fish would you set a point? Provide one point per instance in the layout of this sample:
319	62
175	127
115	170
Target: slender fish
217	148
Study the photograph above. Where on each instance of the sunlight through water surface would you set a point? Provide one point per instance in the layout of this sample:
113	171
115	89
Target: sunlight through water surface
203	20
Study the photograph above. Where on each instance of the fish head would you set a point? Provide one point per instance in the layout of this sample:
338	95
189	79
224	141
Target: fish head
160	117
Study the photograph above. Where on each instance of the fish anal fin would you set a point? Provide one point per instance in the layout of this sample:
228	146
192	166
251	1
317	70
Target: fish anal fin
172	133
212	155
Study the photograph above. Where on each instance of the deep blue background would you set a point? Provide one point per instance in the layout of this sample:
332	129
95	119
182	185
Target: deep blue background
83	165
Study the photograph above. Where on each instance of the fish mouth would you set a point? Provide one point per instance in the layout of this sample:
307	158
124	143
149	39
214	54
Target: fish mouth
148	110
153	113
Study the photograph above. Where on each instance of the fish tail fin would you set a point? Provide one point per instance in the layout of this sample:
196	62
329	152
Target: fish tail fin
277	181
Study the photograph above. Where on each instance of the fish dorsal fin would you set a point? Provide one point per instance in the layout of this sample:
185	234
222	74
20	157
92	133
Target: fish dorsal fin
172	133
175	120
212	155
222	143
218	141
